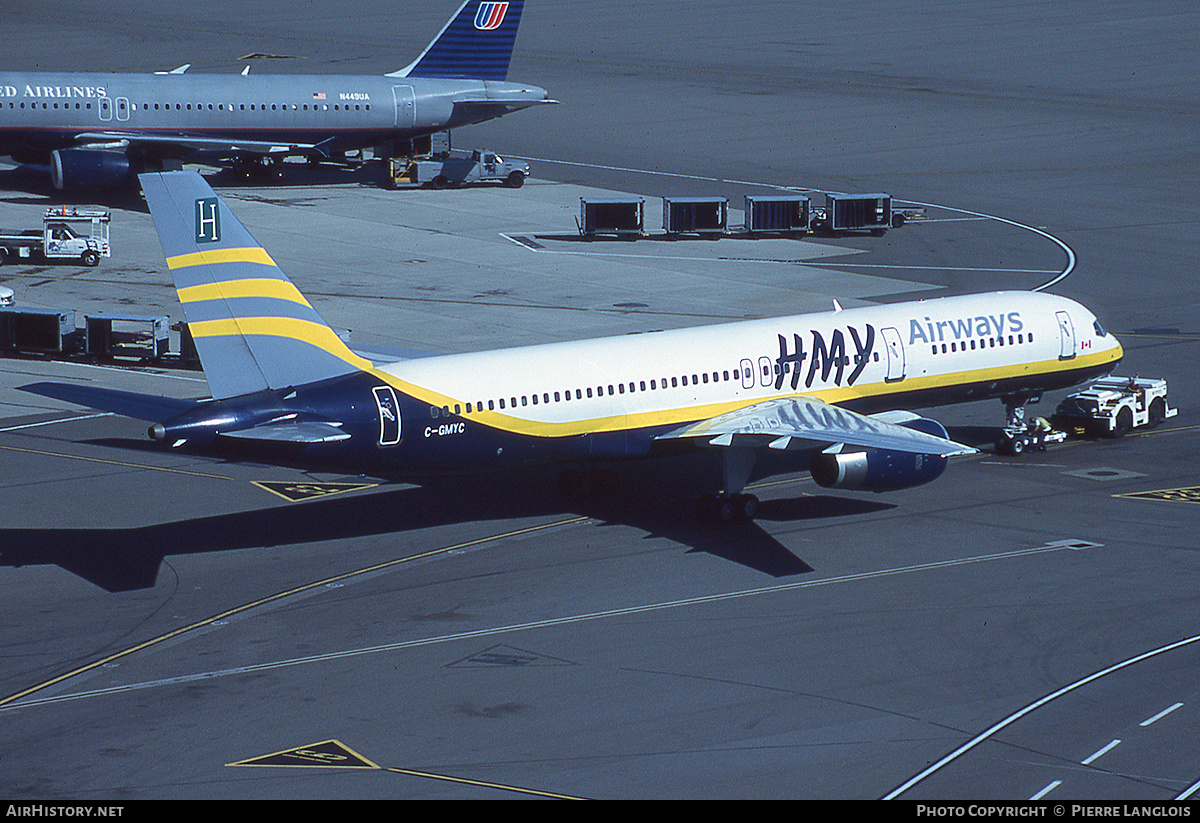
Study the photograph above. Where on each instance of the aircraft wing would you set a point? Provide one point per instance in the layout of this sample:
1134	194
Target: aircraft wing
183	143
779	422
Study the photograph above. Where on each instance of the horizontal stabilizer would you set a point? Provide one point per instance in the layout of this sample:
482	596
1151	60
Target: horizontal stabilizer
150	407
306	432
816	422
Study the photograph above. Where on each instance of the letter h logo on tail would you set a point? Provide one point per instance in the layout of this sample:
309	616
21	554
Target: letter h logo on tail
208	221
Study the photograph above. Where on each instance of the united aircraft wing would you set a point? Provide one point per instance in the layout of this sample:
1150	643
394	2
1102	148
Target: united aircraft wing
781	421
183	144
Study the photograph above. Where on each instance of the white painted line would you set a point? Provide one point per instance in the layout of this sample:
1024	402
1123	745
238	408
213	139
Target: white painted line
1096	755
1054	784
1032	707
1189	791
60	420
608	614
1160	715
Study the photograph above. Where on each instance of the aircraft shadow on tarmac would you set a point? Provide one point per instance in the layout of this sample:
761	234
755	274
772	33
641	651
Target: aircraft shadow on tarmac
125	559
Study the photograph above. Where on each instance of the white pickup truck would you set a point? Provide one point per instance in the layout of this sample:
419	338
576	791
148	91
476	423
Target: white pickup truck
67	232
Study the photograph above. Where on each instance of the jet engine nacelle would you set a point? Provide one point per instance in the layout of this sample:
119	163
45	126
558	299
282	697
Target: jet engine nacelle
89	169
880	470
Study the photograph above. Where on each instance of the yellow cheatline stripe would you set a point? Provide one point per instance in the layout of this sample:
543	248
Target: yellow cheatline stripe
322	337
255	254
248	287
681	415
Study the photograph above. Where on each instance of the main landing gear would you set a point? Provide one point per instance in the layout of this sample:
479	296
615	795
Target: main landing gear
731	504
258	169
727	508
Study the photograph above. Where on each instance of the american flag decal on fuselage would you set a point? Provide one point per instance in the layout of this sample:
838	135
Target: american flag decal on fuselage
490	16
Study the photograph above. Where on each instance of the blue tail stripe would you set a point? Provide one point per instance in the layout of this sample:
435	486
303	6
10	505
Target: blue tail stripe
465	51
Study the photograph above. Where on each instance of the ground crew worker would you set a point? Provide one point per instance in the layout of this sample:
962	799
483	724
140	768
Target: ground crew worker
1039	427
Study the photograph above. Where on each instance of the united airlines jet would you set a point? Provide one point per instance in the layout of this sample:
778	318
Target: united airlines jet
831	385
98	130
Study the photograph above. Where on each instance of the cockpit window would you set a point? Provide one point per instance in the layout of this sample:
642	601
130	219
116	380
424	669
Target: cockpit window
1100	332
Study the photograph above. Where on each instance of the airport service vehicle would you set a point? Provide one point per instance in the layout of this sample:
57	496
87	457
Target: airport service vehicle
458	170
97	130
67	233
826	389
1113	406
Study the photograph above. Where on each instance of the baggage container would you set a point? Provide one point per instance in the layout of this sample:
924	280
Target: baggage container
697	215
776	213
621	217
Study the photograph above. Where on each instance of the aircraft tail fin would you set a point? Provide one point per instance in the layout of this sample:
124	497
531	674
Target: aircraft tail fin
477	43
253	329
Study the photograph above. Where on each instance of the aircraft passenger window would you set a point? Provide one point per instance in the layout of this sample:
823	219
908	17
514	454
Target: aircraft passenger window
610	391
1031	337
674	382
1010	340
589	391
705	376
501	402
556	397
579	394
943	348
953	347
468	408
684	379
524	401
535	400
491	405
935	348
1020	338
621	388
726	375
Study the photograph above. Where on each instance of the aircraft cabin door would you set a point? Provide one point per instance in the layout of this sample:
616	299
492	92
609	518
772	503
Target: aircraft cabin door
389	415
1066	335
406	106
122	108
895	355
104	108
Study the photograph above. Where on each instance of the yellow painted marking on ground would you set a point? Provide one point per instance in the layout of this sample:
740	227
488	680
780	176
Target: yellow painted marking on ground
116	463
326	754
245	607
1187	494
296	491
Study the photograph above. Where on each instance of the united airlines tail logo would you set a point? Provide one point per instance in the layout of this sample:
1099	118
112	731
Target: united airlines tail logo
490	16
208	221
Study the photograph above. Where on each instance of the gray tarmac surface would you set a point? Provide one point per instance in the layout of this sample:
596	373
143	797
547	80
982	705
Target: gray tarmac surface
1021	628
